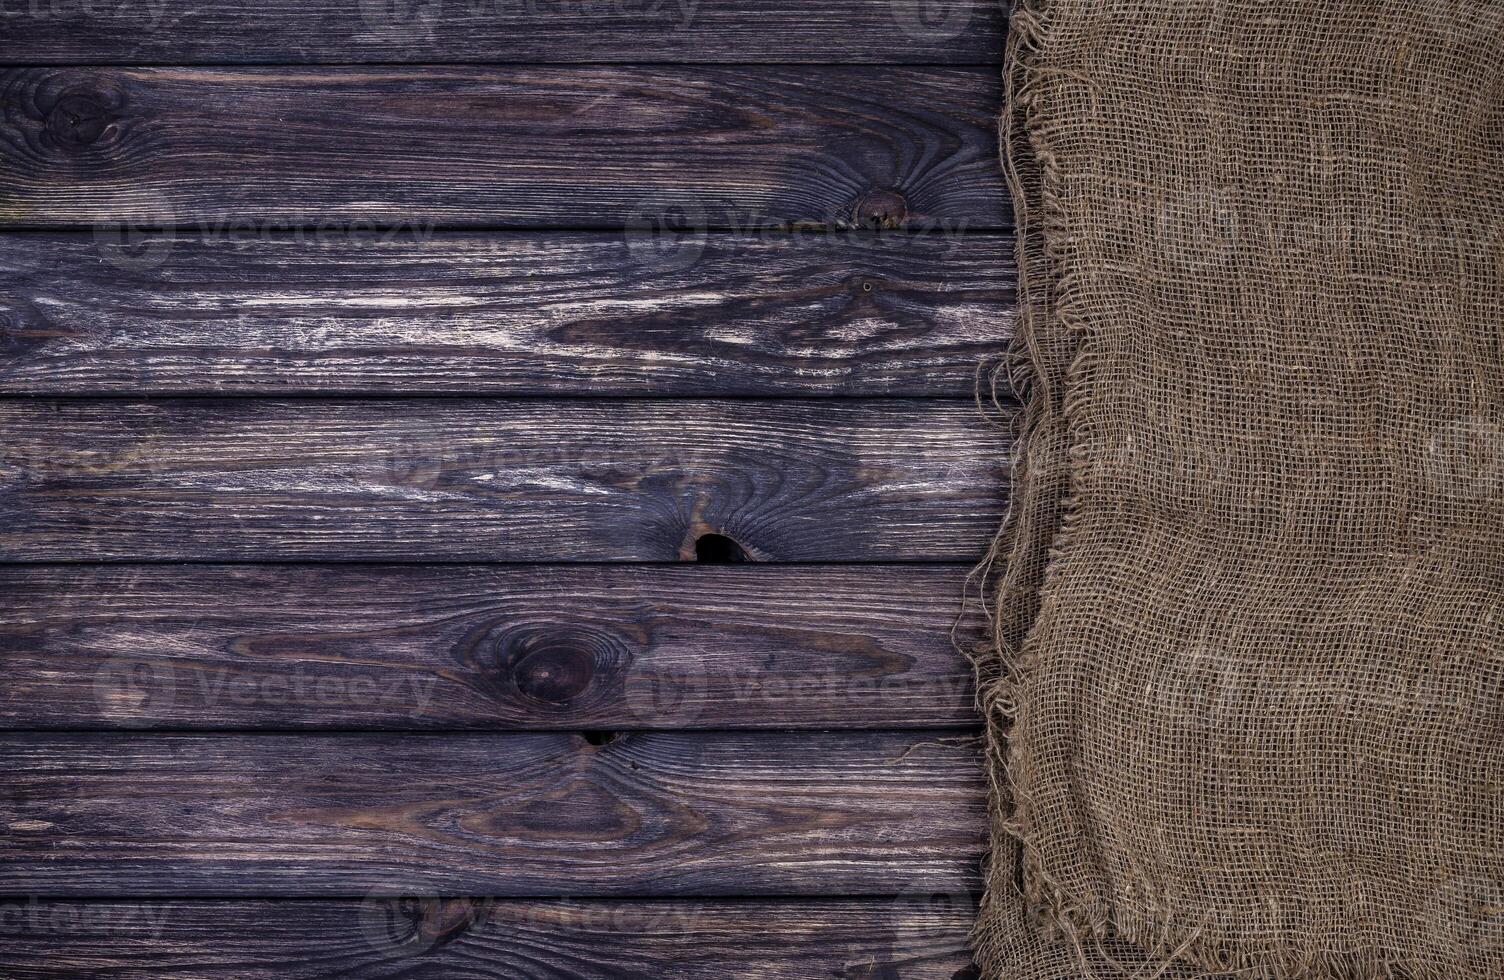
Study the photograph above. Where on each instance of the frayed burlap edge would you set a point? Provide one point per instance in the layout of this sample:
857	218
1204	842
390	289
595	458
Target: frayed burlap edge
1010	574
1049	433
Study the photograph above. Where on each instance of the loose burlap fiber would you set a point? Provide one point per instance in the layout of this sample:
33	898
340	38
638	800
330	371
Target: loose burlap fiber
1247	696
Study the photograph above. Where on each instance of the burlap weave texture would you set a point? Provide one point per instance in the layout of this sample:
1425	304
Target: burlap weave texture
1247	696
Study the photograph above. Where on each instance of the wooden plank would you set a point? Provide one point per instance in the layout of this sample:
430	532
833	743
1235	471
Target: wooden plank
494	480
591	147
504	31
424	647
917	936
525	815
521	313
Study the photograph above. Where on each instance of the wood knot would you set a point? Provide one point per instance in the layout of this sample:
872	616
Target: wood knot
881	209
79	119
22	332
418	924
442	920
553	673
562	666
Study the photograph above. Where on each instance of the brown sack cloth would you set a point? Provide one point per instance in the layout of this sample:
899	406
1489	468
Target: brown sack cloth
1247	701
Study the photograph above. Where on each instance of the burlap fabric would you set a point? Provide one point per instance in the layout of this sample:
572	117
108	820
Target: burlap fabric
1247	699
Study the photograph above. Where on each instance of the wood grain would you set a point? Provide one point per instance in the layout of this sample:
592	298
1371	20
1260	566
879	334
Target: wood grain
495	480
503	31
414	647
523	815
580	147
206	32
522	313
916	936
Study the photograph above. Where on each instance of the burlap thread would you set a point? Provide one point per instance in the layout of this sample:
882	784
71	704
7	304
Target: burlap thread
1246	696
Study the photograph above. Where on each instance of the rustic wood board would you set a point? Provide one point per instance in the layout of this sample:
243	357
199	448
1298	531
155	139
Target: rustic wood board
369	388
454	647
500	31
917	936
559	147
496	480
820	313
520	815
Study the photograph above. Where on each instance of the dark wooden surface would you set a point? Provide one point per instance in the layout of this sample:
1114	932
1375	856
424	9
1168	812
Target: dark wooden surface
496	480
521	313
881	32
383	388
500	815
721	148
917	935
456	647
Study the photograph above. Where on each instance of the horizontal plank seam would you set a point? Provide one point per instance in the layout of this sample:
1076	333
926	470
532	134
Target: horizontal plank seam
687	734
861	898
467	562
319	396
379	563
288	232
958	730
415	65
139	398
268	228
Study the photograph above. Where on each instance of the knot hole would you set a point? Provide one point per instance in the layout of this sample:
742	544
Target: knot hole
717	549
882	209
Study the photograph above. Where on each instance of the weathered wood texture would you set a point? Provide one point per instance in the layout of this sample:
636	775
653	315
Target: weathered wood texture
917	936
504	31
495	480
533	147
523	815
663	228
415	647
534	313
